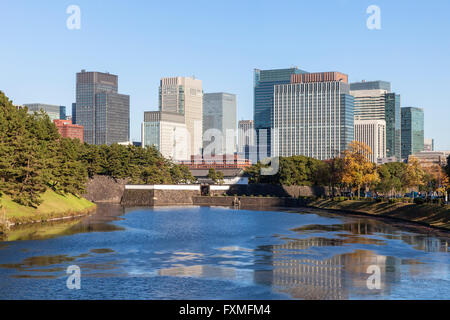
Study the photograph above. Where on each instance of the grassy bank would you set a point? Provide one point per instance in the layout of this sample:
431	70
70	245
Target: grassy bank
53	206
429	214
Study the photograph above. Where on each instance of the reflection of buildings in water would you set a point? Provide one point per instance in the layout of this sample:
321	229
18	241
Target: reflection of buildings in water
199	271
427	244
356	266
335	277
305	278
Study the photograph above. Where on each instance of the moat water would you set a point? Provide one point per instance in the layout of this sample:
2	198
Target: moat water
221	253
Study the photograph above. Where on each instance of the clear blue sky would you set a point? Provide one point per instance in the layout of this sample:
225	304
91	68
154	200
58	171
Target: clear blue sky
221	42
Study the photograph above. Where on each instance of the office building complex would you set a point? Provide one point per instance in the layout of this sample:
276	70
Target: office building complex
54	112
373	134
430	158
375	101
412	131
428	144
246	139
219	123
167	132
263	104
100	109
184	96
68	130
313	116
371	85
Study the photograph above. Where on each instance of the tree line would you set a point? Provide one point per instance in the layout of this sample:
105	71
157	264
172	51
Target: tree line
34	158
353	171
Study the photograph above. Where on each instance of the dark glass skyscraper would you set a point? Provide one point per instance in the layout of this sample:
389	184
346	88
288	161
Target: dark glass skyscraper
412	131
62	112
264	83
393	125
104	113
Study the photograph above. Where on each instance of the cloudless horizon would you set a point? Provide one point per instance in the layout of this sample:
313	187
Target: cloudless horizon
220	43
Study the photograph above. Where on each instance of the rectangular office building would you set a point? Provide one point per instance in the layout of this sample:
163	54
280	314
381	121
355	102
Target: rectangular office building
184	95
219	123
263	104
313	116
167	132
54	112
100	109
373	134
375	101
247	140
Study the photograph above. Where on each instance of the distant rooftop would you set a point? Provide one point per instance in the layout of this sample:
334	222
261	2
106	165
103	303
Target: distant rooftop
371	85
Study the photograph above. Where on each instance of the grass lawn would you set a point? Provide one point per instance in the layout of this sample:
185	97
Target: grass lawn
53	206
433	215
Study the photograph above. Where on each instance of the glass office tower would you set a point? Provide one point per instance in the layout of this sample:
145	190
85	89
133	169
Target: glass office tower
263	86
53	112
393	126
412	131
62	112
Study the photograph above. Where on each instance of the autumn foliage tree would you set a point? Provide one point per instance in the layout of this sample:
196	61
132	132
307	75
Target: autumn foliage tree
359	171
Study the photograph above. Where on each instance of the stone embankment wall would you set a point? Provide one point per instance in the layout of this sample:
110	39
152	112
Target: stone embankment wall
277	190
105	189
159	195
247	202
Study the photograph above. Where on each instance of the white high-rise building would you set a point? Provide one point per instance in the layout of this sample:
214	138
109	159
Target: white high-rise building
184	96
373	134
246	138
312	116
375	101
219	123
246	134
167	132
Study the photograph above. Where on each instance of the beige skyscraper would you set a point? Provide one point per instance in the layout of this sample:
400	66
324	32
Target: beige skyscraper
184	96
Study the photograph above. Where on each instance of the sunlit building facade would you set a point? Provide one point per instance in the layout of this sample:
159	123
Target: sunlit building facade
246	139
219	123
375	101
313	116
167	132
184	96
263	104
373	134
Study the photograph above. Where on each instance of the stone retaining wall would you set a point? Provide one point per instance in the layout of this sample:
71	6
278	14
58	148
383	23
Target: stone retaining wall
156	197
249	202
277	190
105	189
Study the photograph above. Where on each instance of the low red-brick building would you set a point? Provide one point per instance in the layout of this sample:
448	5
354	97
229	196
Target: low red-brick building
69	130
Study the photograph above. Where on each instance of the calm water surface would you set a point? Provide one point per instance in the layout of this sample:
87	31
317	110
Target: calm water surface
221	253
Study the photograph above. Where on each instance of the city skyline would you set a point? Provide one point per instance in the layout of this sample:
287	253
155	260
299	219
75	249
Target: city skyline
370	55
